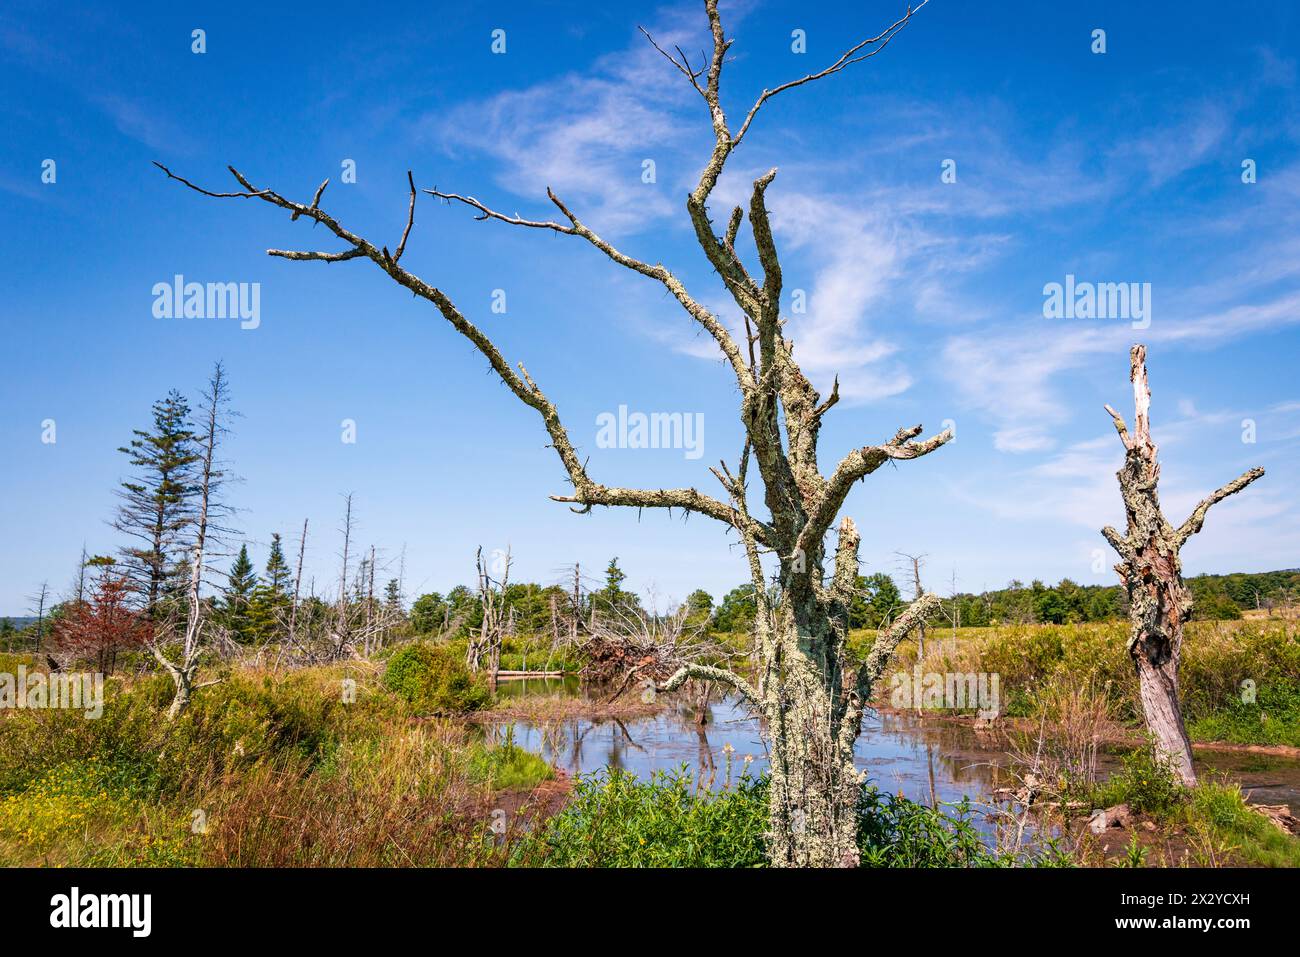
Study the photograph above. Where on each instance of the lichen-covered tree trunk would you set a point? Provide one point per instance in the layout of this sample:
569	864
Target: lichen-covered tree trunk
1151	569
812	699
814	786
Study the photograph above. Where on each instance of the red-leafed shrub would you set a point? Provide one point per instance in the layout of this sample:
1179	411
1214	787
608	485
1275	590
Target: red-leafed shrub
99	628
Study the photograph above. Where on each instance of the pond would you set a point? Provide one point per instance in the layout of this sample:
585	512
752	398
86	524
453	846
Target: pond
926	761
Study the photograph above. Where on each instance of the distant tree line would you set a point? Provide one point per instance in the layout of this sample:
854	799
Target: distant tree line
147	592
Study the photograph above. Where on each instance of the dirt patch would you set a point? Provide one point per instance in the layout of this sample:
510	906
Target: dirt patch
537	803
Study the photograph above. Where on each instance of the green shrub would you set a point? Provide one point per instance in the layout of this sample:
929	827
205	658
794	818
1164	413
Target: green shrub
246	718
434	680
896	832
1272	718
615	820
1146	783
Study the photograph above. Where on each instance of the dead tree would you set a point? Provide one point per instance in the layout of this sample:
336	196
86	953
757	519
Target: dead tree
487	638
40	600
808	692
916	561
631	648
206	530
297	587
342	632
1151	570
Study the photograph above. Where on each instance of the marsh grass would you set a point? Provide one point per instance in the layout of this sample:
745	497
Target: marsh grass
265	769
506	766
1227	831
1219	657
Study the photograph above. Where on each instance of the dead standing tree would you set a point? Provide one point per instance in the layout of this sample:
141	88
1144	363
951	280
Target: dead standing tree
1151	570
806	689
207	532
916	561
487	638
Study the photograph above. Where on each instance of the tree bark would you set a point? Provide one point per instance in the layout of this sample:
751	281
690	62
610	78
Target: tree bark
1150	568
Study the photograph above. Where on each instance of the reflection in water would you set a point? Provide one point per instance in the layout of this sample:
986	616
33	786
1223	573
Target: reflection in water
930	762
570	686
927	763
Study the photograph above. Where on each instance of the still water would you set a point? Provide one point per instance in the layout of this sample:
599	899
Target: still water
926	761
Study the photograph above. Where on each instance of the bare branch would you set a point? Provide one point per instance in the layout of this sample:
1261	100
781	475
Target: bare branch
687	499
709	673
320	190
1196	520
831	399
658	272
261	194
857	465
854	54
586	492
1117	541
733	229
767	254
410	218
485	212
1120	427
886	643
304	255
692	75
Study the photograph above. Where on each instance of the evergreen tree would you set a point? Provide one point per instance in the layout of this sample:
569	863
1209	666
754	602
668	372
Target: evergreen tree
236	601
612	597
278	575
393	595
737	611
268	604
877	601
428	613
157	502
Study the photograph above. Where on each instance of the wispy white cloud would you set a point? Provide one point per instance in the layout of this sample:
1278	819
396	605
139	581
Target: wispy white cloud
586	134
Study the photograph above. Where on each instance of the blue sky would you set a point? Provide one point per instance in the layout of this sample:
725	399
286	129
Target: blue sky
925	297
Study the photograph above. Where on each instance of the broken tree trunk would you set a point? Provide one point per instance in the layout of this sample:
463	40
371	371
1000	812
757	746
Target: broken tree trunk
1151	570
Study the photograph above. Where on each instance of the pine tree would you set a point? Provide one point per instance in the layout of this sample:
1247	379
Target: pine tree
393	595
237	598
876	601
614	578
268	607
612	597
157	502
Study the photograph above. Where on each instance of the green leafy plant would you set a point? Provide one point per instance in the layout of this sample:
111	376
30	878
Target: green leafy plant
1146	783
434	680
